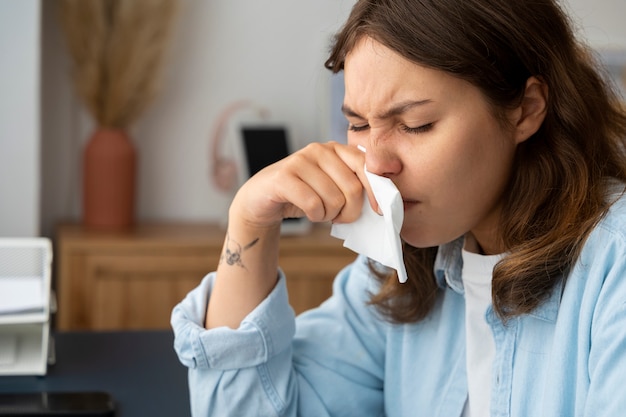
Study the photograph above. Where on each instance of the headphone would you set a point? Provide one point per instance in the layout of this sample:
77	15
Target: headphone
224	172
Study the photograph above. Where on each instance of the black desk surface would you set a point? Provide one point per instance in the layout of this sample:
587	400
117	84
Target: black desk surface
139	369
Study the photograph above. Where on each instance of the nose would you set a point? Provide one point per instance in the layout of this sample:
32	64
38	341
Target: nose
381	159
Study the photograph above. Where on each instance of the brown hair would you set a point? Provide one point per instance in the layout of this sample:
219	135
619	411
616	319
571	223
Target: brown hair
557	191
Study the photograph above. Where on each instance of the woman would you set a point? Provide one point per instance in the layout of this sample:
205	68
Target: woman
508	150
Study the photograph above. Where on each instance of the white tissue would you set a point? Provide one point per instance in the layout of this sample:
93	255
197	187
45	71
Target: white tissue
373	235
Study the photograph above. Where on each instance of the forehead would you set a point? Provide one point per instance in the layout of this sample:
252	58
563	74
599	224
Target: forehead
378	78
377	74
370	60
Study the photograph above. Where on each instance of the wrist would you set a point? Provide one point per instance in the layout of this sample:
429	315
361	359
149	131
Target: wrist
241	218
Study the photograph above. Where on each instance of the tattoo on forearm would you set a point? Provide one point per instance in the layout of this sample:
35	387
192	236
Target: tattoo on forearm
233	250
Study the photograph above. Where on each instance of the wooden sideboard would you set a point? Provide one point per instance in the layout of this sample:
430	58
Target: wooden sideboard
132	280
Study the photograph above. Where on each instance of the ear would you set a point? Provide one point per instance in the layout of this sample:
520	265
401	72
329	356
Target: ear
532	111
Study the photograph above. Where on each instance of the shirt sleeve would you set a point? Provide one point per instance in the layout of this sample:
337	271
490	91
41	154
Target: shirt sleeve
607	351
327	362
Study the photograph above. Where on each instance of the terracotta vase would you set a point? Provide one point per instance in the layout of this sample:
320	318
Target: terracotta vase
109	176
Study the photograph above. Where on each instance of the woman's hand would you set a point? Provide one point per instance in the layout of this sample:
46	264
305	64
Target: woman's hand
323	182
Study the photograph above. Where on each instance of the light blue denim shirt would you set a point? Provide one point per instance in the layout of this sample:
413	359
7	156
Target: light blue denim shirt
567	358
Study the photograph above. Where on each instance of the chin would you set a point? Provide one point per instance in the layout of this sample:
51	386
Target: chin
416	238
420	238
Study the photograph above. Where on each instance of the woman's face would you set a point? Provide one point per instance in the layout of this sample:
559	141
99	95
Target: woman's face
436	138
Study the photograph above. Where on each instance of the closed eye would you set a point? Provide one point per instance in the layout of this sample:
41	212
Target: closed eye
419	129
354	128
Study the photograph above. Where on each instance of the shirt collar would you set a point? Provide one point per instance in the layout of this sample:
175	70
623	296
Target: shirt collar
449	264
448	269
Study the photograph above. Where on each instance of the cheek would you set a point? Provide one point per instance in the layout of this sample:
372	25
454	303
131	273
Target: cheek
479	155
458	183
474	192
448	165
476	176
352	141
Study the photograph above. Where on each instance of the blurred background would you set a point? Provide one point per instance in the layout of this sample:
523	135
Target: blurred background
178	73
270	52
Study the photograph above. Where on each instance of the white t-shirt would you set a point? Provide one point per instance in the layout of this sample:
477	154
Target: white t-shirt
477	274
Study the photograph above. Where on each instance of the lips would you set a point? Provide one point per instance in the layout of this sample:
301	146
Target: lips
409	203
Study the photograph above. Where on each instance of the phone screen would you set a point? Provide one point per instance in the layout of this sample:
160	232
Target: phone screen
84	404
263	146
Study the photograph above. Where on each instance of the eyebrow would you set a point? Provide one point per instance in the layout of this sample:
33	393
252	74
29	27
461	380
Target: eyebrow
396	110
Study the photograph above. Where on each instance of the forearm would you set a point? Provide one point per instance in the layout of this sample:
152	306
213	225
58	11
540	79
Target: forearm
247	272
225	364
250	370
319	182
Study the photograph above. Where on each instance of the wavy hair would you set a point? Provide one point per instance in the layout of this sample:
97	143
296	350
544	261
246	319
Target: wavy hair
561	175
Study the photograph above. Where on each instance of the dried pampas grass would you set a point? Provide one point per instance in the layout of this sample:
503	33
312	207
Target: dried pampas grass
118	49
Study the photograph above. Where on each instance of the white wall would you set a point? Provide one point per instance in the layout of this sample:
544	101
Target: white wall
603	22
19	118
270	51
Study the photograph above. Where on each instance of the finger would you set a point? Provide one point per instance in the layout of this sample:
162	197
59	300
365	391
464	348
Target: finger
350	188
344	164
301	199
320	193
355	158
